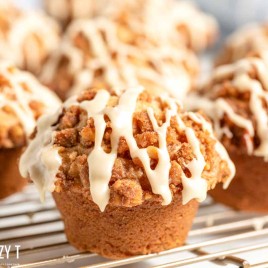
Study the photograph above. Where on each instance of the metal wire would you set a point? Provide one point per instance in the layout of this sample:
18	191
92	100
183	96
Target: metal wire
215	235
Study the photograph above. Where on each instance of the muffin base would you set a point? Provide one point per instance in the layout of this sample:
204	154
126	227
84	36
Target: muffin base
10	178
248	190
121	232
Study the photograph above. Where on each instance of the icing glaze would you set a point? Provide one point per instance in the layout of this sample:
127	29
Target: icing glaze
42	164
27	37
15	96
218	146
161	66
75	10
249	38
242	82
145	14
36	24
41	160
195	186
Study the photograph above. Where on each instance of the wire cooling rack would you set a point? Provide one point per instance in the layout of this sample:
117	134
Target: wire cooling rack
220	237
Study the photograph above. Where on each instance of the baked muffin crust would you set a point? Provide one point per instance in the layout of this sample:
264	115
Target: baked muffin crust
22	101
27	37
172	19
102	53
125	149
245	42
235	98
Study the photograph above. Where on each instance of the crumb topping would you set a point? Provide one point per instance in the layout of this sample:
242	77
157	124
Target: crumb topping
245	42
98	53
128	148
175	26
22	101
236	99
27	37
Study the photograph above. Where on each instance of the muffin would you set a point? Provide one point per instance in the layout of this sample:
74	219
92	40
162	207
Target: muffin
245	42
126	169
236	99
26	38
22	101
67	10
101	54
175	24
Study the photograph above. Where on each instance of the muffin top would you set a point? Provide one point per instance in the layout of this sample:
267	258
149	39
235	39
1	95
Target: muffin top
176	25
236	99
246	41
67	10
27	37
104	54
172	19
22	100
125	149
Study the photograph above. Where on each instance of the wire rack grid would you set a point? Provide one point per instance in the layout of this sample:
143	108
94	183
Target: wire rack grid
220	237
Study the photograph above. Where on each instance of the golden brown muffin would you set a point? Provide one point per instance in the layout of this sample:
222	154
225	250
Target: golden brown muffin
236	99
99	53
22	101
26	37
164	21
67	10
126	170
247	41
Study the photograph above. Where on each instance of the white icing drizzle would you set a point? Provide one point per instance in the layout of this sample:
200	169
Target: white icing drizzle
18	44
99	177
258	95
121	122
58	8
195	186
42	165
206	26
38	24
236	119
145	14
174	15
196	102
242	82
249	38
218	146
161	65
74	9
41	160
18	98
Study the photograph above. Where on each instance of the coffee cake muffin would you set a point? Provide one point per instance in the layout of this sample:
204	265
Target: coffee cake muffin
67	10
22	101
126	169
98	53
26	38
172	19
247	41
236	99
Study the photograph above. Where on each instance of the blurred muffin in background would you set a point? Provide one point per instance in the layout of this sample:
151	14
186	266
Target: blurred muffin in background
165	20
67	10
26	38
236	99
245	42
104	53
126	170
22	101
